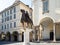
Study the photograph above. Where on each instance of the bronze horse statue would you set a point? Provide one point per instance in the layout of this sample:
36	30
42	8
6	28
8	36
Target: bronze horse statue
25	19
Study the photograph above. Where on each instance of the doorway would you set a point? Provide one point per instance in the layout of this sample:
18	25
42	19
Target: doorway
8	36
51	35
15	36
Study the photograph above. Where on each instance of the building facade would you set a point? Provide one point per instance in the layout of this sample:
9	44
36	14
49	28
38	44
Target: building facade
11	26
46	19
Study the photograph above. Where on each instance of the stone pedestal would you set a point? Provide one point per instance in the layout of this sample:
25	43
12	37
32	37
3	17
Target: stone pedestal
26	37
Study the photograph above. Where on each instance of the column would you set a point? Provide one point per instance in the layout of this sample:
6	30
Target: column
6	38
38	34
38	37
26	37
54	40
34	35
20	37
41	28
12	38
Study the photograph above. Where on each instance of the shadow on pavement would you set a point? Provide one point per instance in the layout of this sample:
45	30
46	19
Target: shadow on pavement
7	42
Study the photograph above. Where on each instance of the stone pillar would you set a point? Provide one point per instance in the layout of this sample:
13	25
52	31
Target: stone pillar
38	36
26	37
41	28
54	40
20	37
12	38
34	35
6	38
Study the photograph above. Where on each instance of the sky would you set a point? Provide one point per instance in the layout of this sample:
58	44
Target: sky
6	3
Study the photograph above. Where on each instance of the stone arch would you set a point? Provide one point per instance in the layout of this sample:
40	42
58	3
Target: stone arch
46	28
15	36
47	18
8	36
3	36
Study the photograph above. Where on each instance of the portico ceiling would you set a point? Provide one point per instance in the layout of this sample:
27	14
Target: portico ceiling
46	21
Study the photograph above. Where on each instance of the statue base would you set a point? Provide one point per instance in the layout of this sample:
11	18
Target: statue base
26	37
26	43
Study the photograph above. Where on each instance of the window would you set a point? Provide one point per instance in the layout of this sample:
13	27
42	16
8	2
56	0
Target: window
7	12
10	11
7	26
7	18
2	15
14	24
2	20
45	6
10	25
14	9
14	16
2	27
10	17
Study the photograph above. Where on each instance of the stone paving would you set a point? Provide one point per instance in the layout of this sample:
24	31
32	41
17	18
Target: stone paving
34	44
31	43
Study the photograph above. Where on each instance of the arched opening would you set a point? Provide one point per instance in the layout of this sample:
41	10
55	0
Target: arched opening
46	29
15	36
8	36
22	36
3	36
51	35
57	31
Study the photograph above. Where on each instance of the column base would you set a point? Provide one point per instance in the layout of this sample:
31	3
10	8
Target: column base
38	40
26	43
54	41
